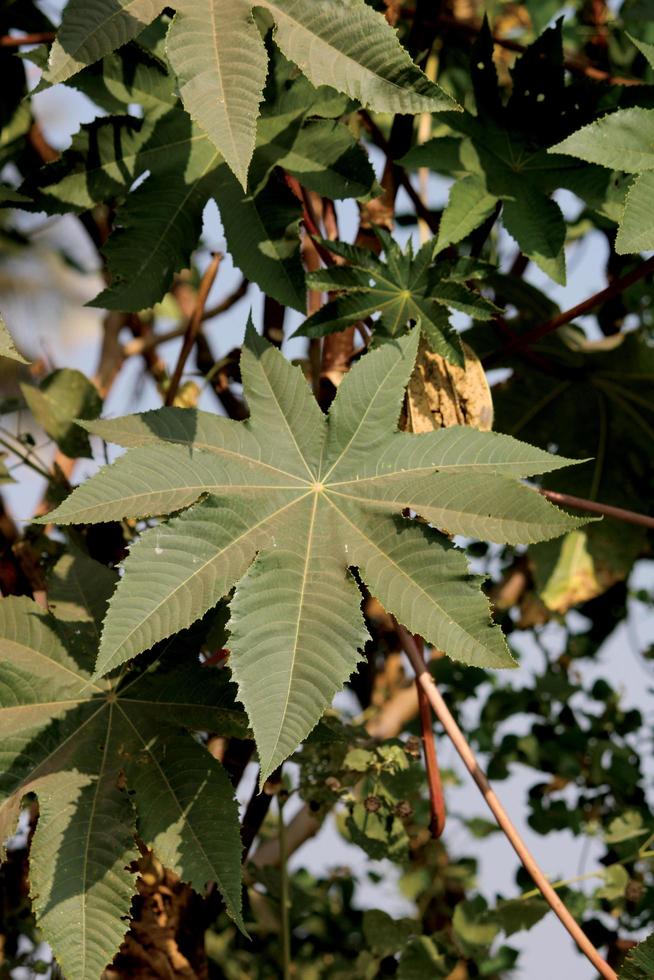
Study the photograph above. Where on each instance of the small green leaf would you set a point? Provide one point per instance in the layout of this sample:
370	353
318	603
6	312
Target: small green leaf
616	879
626	827
62	398
622	140
471	924
404	288
518	914
385	935
468	206
538	226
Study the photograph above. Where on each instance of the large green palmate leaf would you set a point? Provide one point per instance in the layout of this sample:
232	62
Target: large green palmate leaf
285	504
68	739
220	60
502	154
403	288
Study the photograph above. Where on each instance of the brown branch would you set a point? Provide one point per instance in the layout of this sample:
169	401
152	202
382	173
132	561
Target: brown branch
614	288
593	507
465	752
431	220
228	302
43	37
436	800
310	219
194	326
140	345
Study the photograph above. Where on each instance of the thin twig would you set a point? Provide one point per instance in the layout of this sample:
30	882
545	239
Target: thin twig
461	745
140	345
194	325
43	37
25	458
228	301
436	800
309	218
593	507
614	288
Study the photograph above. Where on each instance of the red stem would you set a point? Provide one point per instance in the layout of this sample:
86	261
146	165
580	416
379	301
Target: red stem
613	289
436	799
461	745
9	41
593	507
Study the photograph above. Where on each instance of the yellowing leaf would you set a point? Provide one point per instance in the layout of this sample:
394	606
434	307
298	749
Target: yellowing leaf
573	579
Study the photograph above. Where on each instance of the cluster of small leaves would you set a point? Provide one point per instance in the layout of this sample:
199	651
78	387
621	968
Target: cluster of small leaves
405	288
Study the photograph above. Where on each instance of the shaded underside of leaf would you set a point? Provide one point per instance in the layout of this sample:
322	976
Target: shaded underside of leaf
295	629
218	56
295	500
81	887
187	814
346	44
636	231
93	28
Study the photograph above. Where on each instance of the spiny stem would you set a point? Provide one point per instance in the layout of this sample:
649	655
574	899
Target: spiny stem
464	750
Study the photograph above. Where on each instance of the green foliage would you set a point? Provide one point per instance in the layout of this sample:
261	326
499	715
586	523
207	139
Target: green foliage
105	761
405	287
280	552
640	962
219	58
623	141
309	499
61	398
